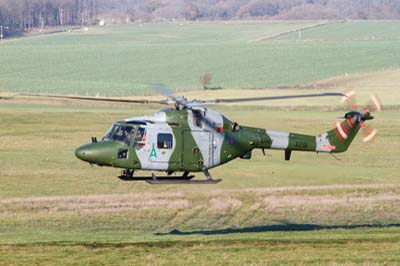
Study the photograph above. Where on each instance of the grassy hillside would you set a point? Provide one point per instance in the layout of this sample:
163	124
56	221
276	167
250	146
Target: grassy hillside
122	59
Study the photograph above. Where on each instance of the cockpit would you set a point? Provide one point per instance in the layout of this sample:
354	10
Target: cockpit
128	133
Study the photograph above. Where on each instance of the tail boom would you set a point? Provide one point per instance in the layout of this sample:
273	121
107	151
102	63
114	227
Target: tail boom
335	140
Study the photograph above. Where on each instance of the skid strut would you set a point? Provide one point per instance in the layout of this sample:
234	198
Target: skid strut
184	179
127	175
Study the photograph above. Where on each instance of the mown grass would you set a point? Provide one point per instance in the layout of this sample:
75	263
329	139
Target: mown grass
316	210
379	247
121	60
81	219
327	247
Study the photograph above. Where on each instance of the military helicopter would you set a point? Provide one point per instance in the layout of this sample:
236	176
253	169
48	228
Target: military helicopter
190	138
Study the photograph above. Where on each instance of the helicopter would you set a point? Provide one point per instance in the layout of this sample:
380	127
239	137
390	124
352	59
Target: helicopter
190	137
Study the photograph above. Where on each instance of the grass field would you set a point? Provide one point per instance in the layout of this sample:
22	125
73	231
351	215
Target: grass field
349	31
120	60
313	210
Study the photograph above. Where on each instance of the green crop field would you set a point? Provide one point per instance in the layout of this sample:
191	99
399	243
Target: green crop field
312	210
120	60
378	30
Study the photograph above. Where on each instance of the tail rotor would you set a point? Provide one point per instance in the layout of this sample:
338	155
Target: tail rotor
374	104
349	100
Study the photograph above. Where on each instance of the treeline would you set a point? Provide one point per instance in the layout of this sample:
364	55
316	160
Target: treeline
248	9
27	14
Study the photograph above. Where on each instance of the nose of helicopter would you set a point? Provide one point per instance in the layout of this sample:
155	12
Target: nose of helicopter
101	153
93	153
84	152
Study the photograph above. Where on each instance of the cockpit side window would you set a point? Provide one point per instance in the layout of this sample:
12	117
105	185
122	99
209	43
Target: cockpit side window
110	132
140	139
141	135
121	133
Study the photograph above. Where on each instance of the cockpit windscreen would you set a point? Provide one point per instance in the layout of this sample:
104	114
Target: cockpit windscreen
121	133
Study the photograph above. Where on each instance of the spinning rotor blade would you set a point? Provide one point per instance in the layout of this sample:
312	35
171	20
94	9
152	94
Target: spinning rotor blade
163	90
92	98
179	101
371	133
350	100
283	97
374	104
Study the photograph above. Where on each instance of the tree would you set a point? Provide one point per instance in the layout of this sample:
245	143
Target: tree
19	15
205	80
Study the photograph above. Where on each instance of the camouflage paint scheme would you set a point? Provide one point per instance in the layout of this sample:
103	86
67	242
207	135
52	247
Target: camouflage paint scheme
199	144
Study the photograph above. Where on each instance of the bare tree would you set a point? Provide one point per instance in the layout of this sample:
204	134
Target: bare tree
205	79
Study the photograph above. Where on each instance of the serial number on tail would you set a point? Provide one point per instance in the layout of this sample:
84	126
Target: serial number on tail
328	147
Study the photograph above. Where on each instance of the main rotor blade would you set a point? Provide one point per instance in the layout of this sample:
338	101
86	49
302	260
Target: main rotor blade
92	98
164	91
269	98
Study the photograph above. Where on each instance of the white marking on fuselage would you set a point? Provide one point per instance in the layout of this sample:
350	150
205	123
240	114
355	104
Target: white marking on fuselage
323	144
211	149
280	139
163	156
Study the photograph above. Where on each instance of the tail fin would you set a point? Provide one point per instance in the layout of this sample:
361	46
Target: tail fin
340	138
343	134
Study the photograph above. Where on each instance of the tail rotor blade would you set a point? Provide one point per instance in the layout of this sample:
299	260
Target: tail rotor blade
375	103
348	95
364	125
350	100
370	135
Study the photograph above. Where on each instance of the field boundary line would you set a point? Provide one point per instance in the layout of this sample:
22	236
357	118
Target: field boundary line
320	24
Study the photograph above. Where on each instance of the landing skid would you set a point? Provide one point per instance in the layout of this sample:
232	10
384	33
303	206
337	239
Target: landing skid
145	178
163	180
182	181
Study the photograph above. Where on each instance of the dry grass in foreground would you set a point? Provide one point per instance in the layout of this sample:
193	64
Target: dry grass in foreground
321	205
